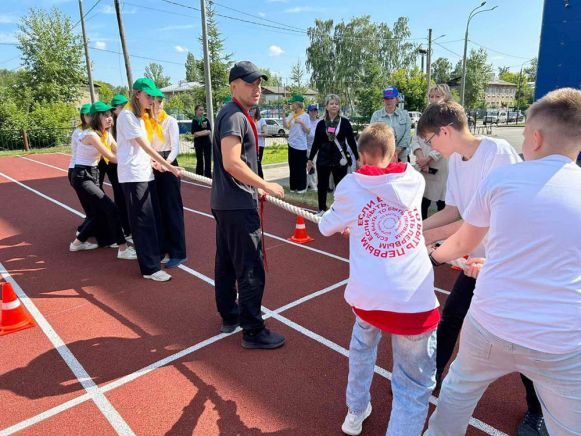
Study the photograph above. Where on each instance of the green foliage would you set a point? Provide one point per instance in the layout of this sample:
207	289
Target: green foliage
220	62
155	72
192	69
50	124
341	56
273	79
52	56
370	96
413	84
478	73
441	70
185	102
106	92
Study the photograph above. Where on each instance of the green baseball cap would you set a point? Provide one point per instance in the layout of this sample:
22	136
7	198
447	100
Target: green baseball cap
85	108
99	106
118	100
158	93
146	85
297	98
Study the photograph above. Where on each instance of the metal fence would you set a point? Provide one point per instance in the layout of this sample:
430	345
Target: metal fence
33	139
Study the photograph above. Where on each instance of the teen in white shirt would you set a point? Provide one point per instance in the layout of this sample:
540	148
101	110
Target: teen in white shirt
526	313
136	159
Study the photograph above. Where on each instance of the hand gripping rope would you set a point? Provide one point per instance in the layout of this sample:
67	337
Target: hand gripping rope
459	263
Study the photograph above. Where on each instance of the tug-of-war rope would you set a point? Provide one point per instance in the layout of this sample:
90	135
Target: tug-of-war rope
458	263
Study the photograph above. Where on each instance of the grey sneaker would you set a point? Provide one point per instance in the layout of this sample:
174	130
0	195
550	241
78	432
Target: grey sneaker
158	276
128	254
82	246
353	424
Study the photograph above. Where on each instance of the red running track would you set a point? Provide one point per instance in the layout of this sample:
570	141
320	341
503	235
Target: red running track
149	356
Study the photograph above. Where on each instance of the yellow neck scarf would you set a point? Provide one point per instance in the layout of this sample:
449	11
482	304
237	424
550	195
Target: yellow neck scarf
104	136
157	124
297	114
150	123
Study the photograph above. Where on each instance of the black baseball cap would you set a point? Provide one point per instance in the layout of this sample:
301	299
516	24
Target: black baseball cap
246	71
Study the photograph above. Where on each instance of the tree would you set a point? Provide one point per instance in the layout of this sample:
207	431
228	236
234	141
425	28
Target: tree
340	56
273	79
297	79
52	56
220	62
502	71
155	72
478	73
441	70
531	70
192	68
106	92
412	84
524	92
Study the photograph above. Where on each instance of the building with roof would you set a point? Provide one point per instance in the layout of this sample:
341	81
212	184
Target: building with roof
272	94
500	93
181	86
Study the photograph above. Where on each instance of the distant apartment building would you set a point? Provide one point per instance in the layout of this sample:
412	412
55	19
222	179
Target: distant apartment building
499	93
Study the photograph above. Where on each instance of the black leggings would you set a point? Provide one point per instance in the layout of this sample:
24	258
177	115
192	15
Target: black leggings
323	173
203	159
110	169
297	162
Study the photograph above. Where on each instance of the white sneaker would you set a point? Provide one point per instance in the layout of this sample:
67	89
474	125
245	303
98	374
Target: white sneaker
165	259
158	276
129	254
302	191
129	238
113	245
353	424
82	246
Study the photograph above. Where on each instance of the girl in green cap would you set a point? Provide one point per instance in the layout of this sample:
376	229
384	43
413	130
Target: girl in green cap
102	214
166	140
135	160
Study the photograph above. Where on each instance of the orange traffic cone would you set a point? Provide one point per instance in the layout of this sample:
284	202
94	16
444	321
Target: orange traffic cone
14	316
300	236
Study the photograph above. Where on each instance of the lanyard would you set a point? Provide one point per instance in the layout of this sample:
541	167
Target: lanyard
251	121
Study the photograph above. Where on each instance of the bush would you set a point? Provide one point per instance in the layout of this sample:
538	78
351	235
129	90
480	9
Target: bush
51	124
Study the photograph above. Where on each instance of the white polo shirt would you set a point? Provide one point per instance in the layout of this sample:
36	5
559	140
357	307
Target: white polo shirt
133	163
529	290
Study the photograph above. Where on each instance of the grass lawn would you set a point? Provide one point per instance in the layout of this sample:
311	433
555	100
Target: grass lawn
59	149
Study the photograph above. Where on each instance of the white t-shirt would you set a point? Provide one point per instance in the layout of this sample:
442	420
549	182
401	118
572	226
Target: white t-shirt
74	139
87	154
464	177
171	138
297	138
133	163
260	129
529	290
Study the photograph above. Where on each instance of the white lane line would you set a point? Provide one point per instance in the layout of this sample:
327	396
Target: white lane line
106	408
276	314
270	235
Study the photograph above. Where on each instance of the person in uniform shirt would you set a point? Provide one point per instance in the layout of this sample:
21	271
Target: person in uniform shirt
398	119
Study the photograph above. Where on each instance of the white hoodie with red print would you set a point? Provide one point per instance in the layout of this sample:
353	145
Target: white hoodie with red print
389	265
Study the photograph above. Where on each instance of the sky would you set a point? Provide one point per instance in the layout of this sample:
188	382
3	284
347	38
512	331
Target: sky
165	32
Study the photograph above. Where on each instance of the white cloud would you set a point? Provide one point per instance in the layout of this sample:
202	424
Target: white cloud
299	9
101	45
176	27
275	50
181	49
261	14
8	38
108	9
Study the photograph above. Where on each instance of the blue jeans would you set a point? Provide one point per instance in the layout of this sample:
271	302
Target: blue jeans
483	358
412	382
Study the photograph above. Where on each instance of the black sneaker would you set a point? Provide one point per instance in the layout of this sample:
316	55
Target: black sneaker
229	327
532	424
264	339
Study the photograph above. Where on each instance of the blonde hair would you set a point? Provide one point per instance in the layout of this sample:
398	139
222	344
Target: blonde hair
443	89
377	139
560	114
135	105
329	98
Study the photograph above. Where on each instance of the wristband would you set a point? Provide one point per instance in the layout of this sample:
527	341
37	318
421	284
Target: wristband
434	261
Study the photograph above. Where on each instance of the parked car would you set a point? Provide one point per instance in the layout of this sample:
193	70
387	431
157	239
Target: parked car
515	117
274	127
415	117
491	117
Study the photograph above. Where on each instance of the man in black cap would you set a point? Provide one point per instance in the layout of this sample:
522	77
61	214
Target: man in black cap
235	190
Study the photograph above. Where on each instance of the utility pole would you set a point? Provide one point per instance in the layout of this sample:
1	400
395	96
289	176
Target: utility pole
123	44
87	57
207	76
429	64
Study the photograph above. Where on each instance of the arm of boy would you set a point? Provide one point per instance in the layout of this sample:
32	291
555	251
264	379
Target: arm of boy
340	217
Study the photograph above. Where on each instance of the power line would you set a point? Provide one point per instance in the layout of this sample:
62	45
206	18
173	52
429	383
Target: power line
87	13
139	57
258	17
447	49
496	51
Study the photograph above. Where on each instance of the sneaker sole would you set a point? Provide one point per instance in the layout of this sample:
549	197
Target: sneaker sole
229	329
156	280
367	413
252	346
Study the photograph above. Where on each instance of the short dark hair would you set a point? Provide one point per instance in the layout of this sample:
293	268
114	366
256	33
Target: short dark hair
198	106
377	139
442	114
